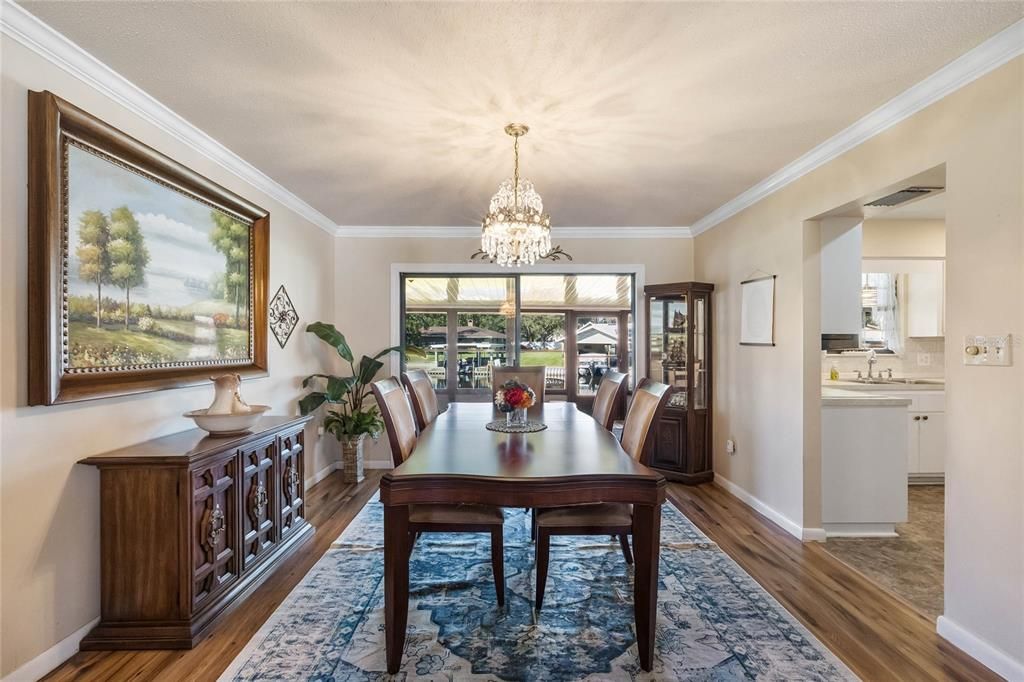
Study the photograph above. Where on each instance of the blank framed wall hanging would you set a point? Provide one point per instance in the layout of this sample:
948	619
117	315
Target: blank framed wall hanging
757	312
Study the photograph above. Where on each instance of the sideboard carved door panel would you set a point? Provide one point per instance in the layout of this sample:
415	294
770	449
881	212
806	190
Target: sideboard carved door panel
259	501
214	530
292	479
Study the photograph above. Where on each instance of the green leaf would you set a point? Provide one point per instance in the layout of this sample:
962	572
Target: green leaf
393	349
368	368
310	402
415	351
327	333
338	387
308	380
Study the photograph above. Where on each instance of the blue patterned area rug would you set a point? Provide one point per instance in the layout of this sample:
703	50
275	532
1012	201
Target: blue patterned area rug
714	621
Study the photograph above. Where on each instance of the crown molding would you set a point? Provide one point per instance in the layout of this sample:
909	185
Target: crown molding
462	232
26	29
991	54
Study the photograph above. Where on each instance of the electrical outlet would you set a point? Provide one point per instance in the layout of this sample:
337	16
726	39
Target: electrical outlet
924	359
320	431
730	446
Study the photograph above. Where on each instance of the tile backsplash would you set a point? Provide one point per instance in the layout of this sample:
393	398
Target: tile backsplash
908	364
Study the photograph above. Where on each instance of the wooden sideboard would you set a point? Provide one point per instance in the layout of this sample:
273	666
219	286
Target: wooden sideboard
190	525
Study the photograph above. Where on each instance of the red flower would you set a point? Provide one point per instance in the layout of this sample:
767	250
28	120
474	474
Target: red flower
514	396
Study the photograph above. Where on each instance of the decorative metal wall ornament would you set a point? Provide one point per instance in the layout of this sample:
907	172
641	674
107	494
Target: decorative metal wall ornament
282	315
555	254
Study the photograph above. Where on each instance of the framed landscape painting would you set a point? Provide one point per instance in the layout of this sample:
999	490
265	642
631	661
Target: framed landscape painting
143	274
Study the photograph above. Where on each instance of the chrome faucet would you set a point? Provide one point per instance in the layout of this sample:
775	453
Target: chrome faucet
871	364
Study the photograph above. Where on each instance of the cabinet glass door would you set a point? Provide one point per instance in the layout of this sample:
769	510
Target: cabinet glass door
700	362
669	323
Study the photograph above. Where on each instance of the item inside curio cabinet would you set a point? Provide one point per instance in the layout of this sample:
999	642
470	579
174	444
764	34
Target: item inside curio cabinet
155	276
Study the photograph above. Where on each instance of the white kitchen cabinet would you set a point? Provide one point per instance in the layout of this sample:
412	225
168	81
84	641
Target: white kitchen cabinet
841	252
932	443
925	299
926	441
923	295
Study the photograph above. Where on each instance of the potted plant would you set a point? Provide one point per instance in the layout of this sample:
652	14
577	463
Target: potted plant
352	414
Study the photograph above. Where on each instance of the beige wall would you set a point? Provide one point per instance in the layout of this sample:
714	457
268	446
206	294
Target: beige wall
363	300
49	506
904	238
768	399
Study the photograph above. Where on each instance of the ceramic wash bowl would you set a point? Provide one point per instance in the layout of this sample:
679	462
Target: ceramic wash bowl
227	424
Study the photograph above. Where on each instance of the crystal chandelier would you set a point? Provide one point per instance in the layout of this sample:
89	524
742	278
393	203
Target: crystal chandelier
516	230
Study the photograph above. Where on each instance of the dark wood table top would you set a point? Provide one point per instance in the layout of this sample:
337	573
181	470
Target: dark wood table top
573	445
189	445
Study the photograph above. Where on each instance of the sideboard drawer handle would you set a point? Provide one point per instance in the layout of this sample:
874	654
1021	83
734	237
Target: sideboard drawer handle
217	525
260	500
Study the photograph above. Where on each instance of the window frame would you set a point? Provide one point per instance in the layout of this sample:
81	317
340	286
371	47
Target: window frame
627	337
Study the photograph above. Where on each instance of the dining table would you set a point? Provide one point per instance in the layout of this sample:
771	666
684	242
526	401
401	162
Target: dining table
574	461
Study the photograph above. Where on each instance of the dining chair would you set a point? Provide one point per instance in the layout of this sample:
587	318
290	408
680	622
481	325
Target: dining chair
424	399
605	518
400	424
531	376
611	394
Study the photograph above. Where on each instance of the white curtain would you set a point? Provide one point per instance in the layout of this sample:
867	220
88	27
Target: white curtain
881	293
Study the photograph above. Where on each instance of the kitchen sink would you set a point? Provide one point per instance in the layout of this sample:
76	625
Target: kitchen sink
903	380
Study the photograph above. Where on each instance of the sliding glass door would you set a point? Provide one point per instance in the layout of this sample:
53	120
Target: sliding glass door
577	326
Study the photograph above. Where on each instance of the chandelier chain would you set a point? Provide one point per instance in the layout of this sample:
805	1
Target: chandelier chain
515	148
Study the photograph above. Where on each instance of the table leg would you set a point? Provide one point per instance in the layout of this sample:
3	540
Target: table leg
396	583
646	552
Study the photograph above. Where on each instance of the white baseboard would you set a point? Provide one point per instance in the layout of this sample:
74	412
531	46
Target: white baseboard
777	517
861	530
379	464
52	657
997	661
323	473
814	535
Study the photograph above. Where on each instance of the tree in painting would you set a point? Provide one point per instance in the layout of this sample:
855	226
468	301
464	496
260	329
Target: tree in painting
128	255
93	256
231	238
154	276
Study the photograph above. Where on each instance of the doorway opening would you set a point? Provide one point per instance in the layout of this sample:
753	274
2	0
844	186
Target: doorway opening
883	386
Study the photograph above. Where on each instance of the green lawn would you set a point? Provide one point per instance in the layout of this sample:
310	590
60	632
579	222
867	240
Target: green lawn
87	334
544	358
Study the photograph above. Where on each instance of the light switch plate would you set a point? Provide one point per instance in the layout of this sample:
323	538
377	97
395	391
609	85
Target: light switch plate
988	350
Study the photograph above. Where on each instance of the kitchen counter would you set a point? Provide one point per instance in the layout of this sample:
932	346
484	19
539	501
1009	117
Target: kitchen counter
921	384
864	446
843	397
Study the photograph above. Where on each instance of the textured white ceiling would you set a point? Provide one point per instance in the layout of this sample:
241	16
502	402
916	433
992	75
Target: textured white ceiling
641	114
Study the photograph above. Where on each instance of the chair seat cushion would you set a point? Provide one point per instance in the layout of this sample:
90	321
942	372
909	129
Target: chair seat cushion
602	514
455	513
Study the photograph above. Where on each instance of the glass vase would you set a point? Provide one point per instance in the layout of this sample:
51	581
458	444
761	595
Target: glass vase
516	417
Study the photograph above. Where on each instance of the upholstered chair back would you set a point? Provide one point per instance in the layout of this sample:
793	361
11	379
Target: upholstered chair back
424	399
398	417
611	393
530	376
649	401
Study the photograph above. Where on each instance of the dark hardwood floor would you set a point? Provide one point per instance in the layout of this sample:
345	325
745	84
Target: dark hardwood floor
331	506
879	636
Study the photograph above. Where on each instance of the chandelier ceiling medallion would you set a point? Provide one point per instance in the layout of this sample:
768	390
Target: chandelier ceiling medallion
516	231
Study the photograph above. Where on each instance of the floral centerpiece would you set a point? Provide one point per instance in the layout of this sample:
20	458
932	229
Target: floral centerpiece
514	398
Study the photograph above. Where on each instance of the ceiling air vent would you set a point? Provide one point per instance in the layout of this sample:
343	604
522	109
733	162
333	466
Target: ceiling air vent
903	196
